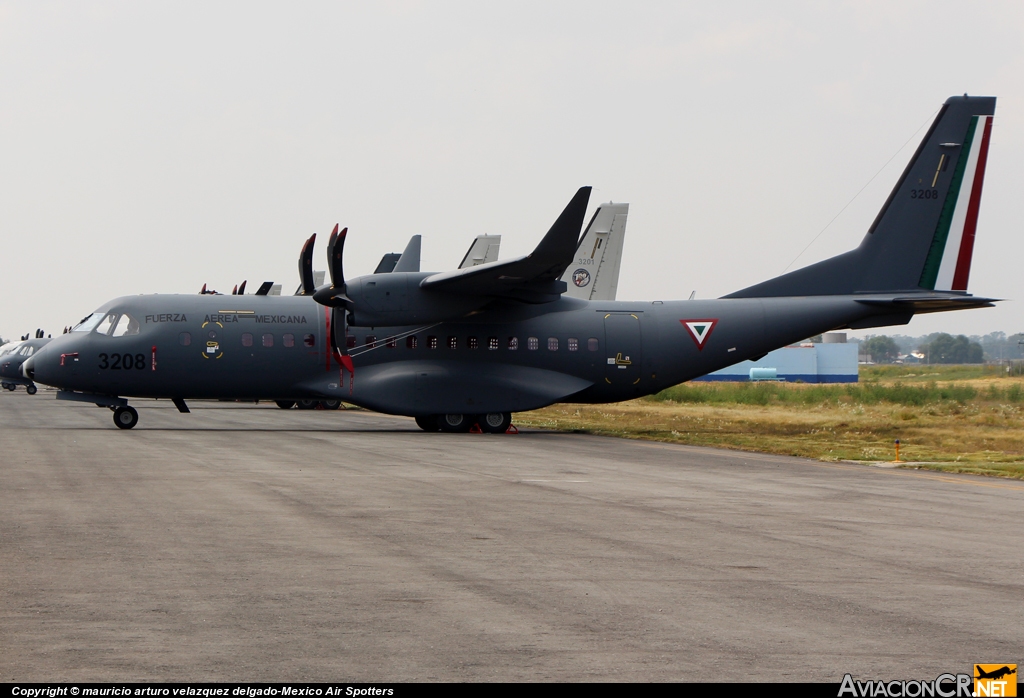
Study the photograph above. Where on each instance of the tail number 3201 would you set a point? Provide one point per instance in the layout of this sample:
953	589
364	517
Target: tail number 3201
125	362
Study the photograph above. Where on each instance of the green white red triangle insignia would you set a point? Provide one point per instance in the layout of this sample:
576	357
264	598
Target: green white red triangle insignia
700	330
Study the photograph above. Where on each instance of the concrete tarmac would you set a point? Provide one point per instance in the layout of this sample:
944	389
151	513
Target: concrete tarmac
246	543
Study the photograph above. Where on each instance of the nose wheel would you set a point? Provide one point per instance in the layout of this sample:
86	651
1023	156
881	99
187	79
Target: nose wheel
31	389
126	417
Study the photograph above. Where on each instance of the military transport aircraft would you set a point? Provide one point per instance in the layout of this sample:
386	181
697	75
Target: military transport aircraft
12	358
476	344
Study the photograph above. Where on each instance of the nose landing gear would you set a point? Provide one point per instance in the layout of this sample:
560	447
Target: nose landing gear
125	417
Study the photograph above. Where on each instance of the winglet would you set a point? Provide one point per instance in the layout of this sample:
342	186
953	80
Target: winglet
559	245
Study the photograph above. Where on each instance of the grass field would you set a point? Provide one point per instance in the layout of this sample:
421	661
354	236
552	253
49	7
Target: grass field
953	418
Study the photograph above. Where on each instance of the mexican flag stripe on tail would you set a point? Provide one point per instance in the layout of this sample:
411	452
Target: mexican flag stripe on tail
949	260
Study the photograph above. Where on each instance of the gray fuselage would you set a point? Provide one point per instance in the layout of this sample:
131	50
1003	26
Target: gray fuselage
506	357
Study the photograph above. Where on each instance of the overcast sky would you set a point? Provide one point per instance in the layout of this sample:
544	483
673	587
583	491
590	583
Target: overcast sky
153	147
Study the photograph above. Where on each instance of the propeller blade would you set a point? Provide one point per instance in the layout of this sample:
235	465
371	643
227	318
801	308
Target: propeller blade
306	266
335	253
241	288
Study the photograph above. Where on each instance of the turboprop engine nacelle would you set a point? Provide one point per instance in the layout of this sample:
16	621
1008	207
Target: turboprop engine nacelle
396	299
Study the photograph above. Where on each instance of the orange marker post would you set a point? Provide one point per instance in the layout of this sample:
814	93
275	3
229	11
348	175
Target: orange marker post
897	452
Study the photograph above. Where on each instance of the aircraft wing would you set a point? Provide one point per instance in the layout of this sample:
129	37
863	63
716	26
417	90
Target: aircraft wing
534	278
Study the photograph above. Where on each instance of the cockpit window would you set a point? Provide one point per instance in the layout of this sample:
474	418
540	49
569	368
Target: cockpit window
118	325
126	326
106	323
88	323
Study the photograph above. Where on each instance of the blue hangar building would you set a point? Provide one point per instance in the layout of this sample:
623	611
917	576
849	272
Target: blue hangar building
834	360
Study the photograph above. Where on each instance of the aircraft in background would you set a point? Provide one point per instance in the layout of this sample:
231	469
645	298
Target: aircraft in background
13	355
473	345
594	273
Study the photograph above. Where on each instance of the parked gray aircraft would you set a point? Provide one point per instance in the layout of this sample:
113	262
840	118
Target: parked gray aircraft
476	344
14	356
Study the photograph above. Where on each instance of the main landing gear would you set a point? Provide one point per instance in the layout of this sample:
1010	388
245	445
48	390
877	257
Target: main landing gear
490	423
125	417
309	404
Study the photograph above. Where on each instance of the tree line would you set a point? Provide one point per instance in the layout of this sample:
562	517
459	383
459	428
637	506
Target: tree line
943	348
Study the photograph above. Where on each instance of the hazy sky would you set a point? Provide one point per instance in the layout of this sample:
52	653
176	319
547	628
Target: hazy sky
153	147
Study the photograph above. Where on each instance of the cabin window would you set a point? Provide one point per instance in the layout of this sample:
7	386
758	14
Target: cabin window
246	339
472	342
350	341
532	343
309	340
432	342
411	342
592	344
492	343
453	342
268	340
574	344
390	343
552	343
513	343
371	341
185	339
288	340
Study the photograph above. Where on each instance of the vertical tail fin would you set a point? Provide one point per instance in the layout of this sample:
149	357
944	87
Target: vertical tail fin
594	272
948	264
483	250
923	237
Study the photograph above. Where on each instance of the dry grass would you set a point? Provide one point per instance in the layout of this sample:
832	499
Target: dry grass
980	429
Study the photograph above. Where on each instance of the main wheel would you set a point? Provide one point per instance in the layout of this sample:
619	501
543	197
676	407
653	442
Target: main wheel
126	417
4	386
308	404
456	423
31	389
495	422
428	423
285	404
330	404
